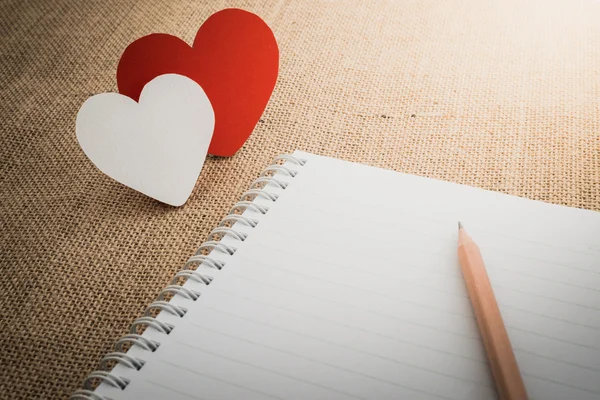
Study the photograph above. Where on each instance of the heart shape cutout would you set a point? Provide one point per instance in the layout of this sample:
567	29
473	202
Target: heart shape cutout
157	146
234	58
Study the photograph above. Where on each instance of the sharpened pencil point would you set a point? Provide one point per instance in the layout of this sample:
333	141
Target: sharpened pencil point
459	225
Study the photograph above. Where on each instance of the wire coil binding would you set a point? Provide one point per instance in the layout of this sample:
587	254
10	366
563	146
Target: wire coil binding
201	257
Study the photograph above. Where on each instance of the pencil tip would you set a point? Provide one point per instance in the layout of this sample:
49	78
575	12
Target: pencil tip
459	225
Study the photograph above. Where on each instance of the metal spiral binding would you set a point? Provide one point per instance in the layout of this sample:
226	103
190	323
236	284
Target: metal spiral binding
201	257
121	358
136	340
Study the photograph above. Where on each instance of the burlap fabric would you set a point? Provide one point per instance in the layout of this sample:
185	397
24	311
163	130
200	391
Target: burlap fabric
503	95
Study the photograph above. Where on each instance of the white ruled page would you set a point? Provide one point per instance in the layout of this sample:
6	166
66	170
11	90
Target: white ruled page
349	287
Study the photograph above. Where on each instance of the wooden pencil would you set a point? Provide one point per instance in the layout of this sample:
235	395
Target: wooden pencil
501	358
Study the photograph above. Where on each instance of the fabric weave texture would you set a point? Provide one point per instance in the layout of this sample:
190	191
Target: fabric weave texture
499	94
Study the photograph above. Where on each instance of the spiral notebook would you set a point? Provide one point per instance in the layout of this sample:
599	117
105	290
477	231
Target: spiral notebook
334	280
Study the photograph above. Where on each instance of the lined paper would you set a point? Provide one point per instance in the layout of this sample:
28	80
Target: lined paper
349	288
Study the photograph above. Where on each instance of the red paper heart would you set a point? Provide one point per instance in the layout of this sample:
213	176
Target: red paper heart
234	58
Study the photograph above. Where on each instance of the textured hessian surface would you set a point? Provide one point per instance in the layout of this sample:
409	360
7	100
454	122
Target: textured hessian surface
500	94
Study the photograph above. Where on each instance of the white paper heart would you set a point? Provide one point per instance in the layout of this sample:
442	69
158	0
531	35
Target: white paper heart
157	146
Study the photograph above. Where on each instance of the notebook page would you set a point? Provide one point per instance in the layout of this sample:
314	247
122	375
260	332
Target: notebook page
349	288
